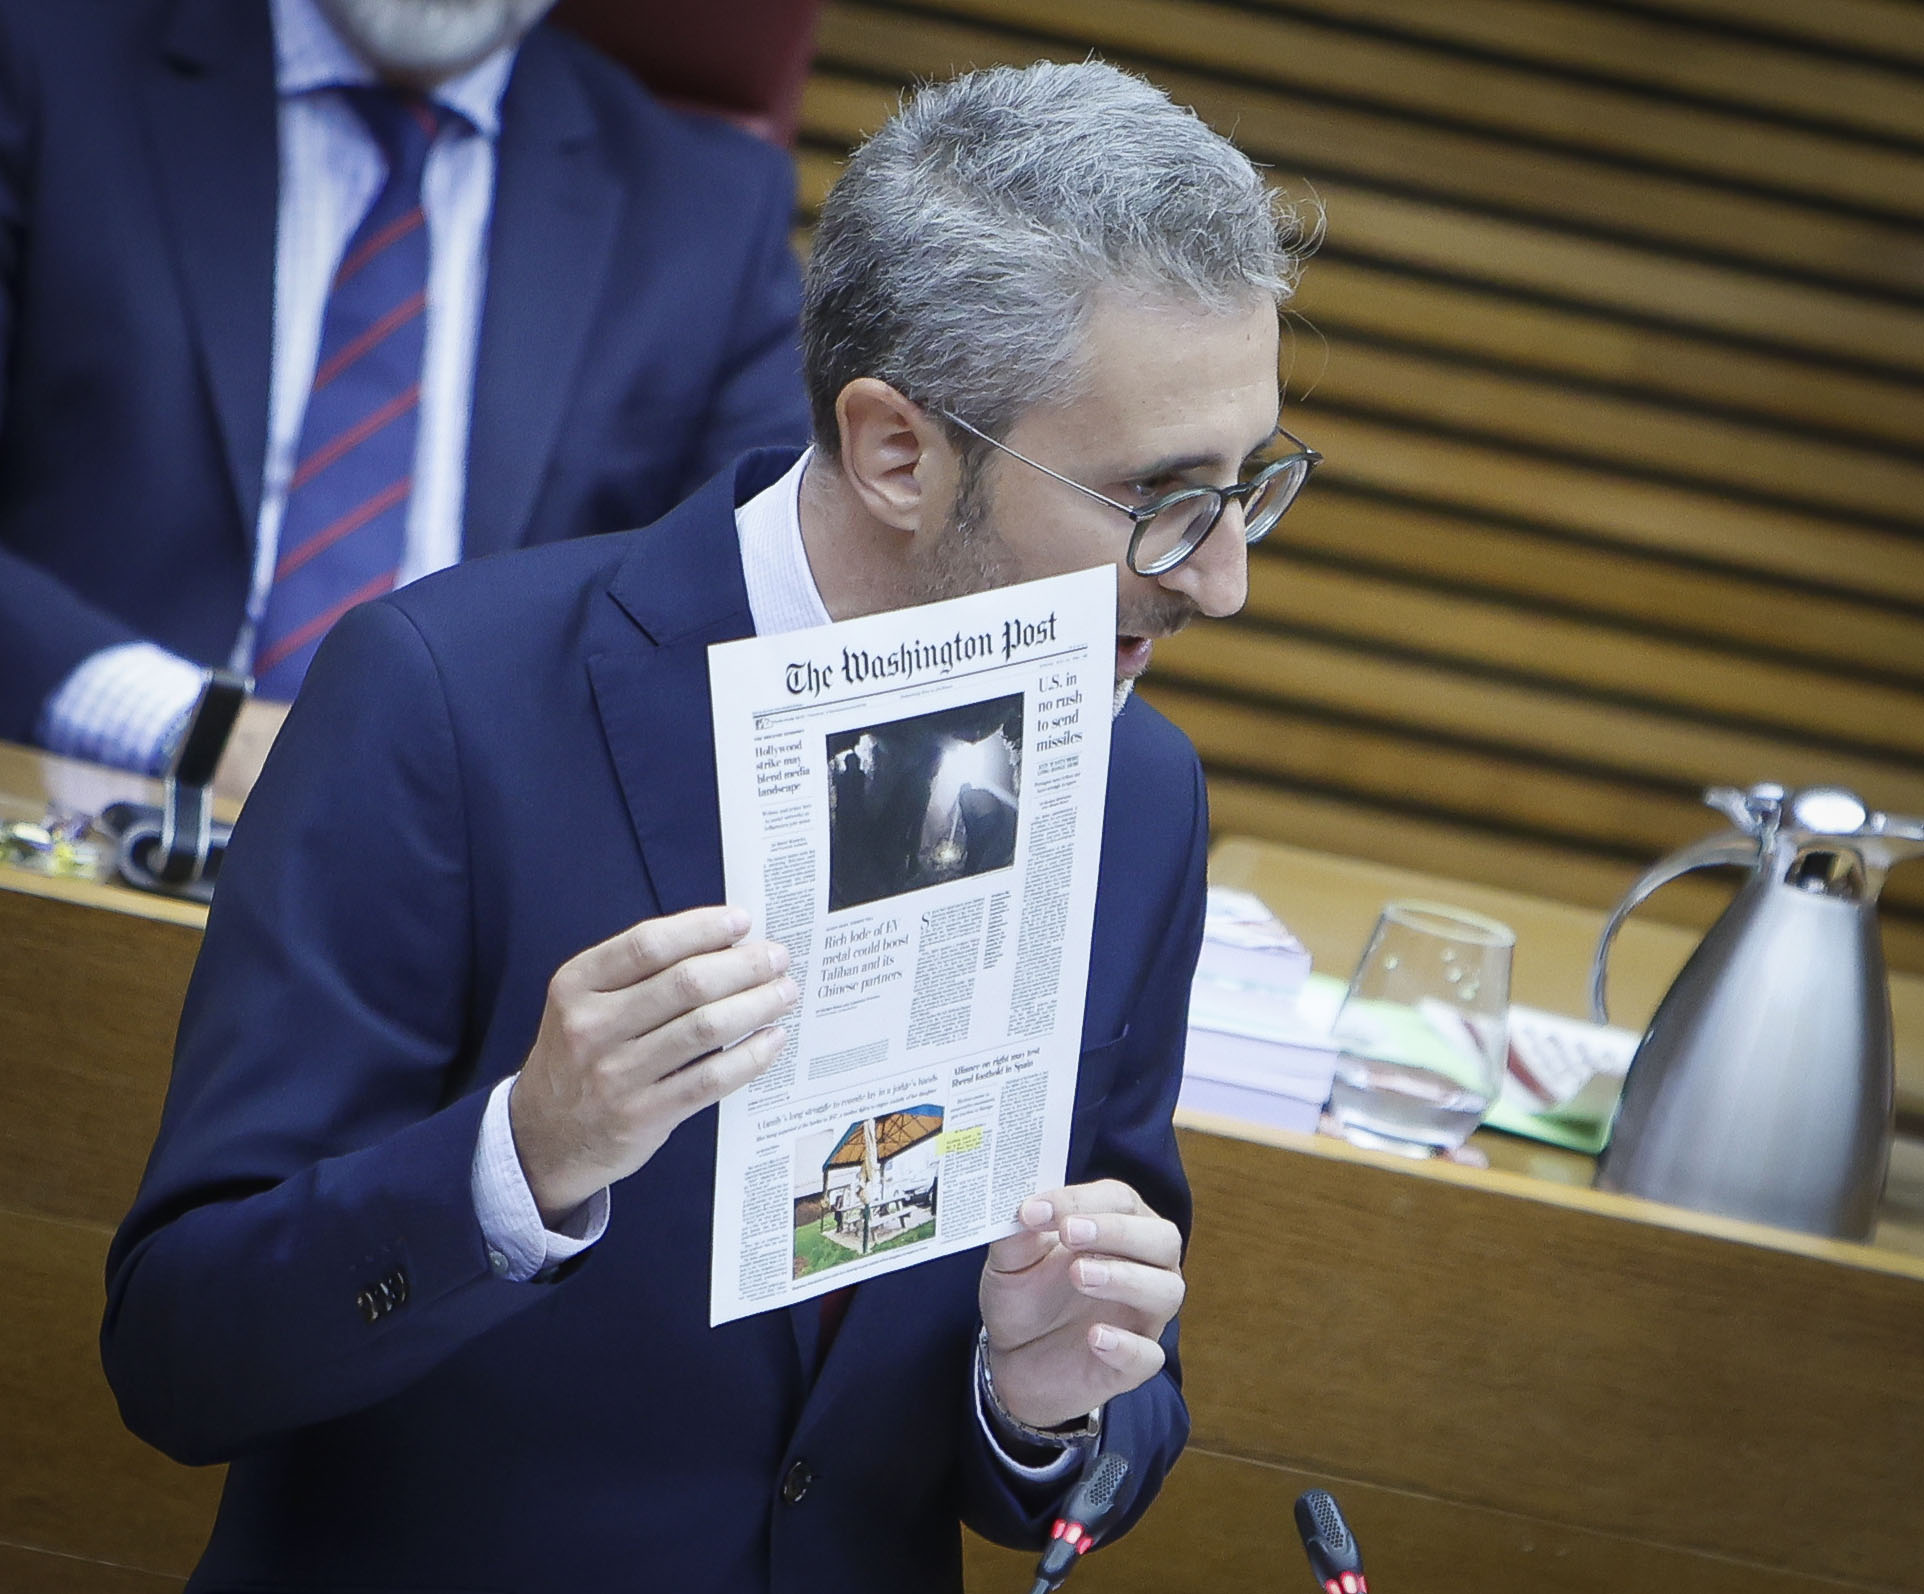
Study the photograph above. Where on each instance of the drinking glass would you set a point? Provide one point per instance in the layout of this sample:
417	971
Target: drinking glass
1423	1030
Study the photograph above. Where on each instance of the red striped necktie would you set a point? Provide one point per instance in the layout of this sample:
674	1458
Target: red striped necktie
344	530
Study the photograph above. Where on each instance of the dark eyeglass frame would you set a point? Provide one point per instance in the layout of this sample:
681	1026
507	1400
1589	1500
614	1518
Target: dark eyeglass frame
1300	455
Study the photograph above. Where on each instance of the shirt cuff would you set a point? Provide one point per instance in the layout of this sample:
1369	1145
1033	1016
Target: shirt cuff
1073	1450
520	1246
122	706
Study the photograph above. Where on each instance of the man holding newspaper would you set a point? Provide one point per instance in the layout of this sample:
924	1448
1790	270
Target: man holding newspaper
422	1247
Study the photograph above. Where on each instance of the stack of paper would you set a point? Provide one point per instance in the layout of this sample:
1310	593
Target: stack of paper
1244	944
1564	1079
1259	1046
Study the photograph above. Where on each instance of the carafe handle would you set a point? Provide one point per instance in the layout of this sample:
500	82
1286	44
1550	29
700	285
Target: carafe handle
1732	846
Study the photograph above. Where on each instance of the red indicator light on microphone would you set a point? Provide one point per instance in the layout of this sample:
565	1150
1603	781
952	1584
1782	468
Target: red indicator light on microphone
1349	1583
1074	1533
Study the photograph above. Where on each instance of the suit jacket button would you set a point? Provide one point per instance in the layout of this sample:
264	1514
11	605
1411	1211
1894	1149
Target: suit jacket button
371	1308
796	1483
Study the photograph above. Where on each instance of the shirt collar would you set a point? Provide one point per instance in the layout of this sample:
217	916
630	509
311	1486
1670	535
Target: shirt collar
309	55
782	595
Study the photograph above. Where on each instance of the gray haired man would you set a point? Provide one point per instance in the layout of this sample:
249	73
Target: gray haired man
1041	335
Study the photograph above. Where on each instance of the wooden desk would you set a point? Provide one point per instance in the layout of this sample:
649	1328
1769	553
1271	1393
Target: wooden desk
1332	902
1514	1383
91	979
1511	1384
1516	1387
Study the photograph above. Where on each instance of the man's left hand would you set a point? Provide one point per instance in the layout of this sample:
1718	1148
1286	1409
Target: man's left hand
1075	1303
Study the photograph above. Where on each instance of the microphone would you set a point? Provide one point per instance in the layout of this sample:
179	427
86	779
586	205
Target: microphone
1329	1544
1075	1530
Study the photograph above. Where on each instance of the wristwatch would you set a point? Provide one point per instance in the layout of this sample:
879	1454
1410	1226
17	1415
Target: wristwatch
1081	1431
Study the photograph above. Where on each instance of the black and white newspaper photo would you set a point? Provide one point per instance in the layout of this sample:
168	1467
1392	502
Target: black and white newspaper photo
912	804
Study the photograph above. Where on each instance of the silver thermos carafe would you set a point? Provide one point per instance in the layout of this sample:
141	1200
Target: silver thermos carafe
1762	1089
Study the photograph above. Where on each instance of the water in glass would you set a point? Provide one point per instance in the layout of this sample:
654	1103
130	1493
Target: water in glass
1422	1029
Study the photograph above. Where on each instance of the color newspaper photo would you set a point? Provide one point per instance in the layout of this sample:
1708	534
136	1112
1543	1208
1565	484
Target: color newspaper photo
867	1187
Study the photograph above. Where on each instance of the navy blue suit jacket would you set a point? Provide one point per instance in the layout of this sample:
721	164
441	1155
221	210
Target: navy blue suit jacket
535	773
638	330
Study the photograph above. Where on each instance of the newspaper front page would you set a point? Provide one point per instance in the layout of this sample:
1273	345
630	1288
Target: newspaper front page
912	804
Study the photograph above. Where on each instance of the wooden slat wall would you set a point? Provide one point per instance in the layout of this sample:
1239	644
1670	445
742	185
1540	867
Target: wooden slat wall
1616	350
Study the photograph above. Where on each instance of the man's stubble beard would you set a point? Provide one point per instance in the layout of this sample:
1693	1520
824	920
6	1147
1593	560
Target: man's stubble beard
424	42
972	556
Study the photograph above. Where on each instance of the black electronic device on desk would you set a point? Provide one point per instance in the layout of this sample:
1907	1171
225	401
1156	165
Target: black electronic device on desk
176	849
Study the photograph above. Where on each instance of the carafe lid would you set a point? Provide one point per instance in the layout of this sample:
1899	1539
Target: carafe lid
1829	811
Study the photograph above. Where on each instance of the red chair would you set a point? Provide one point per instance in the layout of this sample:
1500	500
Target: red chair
745	60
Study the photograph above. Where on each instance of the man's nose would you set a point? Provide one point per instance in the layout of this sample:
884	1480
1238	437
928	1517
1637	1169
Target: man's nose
1216	576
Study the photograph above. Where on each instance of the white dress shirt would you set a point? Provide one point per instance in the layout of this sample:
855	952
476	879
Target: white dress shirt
125	704
782	596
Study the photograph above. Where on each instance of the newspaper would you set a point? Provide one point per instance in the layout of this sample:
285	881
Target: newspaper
912	804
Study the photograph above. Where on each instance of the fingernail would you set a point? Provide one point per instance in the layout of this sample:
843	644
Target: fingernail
788	990
1079	1231
1103	1337
737	922
1094	1274
777	958
1035	1214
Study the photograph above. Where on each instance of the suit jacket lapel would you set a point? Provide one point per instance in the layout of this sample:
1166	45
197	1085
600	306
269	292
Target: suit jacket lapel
679	589
556	209
212	111
653	704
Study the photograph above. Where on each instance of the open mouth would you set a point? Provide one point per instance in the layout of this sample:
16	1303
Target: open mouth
1132	656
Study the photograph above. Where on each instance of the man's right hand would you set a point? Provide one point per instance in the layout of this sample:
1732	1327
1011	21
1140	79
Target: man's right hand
632	1042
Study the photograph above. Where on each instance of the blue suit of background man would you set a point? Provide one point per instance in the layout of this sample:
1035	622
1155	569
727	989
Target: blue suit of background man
638	330
534	773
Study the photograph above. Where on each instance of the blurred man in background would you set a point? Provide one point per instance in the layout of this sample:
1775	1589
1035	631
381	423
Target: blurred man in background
303	299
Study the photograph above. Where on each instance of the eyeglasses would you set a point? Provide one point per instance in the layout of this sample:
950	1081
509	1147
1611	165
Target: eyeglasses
1173	527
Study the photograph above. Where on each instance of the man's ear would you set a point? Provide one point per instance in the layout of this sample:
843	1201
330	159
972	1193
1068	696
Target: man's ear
894	457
